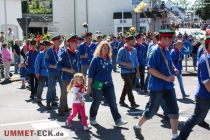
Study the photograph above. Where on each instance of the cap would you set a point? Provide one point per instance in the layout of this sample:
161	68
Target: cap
46	43
129	37
55	37
166	33
88	34
138	35
32	41
207	40
72	38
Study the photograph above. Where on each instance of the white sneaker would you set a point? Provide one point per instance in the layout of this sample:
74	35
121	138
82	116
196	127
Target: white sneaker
87	128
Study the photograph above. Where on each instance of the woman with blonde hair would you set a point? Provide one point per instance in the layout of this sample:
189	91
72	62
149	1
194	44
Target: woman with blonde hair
100	83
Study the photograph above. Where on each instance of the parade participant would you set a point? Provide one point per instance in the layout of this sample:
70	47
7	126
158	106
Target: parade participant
30	63
121	40
155	41
25	49
41	69
161	84
54	75
77	88
196	44
177	57
23	73
7	59
128	61
69	64
202	96
86	51
140	55
99	38
114	44
101	84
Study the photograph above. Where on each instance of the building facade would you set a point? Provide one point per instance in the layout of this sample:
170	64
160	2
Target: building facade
13	11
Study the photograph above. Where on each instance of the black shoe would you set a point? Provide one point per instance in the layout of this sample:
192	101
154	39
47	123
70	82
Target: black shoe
67	109
138	133
177	138
123	104
32	97
54	104
134	106
49	106
204	124
61	113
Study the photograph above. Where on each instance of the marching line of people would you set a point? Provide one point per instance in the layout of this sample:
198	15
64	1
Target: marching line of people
83	67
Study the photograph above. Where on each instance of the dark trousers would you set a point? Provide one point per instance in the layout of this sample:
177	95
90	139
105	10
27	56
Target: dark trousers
141	72
41	83
33	83
109	94
202	107
127	89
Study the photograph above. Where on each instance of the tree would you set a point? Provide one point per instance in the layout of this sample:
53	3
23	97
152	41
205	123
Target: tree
183	3
202	8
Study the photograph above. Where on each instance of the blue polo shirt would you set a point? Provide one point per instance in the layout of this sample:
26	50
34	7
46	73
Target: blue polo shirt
156	61
100	69
23	72
140	53
200	52
31	58
83	48
128	57
203	76
148	50
69	60
177	57
51	58
40	66
114	46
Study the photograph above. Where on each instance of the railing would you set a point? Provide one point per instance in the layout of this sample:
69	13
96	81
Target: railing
39	17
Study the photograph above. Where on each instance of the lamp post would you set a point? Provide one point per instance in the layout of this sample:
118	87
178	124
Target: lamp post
5	18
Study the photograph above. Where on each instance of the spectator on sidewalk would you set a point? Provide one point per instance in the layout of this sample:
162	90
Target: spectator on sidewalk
16	51
7	58
195	46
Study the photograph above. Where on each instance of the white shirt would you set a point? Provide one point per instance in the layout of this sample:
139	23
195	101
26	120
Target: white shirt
74	92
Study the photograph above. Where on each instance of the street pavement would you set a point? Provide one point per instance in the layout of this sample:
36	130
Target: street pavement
18	112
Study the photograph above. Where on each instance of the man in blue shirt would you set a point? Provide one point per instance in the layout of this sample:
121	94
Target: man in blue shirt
161	84
41	70
54	75
202	96
140	55
30	62
69	63
128	61
177	57
114	44
86	50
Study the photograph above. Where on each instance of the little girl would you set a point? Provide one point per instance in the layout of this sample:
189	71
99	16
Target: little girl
77	86
23	74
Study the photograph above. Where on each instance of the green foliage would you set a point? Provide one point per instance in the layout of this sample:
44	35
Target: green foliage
202	9
37	7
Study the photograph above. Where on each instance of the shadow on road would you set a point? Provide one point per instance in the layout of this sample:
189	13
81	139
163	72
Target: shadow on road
186	101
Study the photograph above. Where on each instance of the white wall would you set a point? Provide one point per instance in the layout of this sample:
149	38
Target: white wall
100	14
13	12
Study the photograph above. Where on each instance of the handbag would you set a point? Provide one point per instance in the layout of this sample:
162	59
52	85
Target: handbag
97	85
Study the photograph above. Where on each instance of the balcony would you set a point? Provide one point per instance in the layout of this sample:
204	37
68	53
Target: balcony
39	17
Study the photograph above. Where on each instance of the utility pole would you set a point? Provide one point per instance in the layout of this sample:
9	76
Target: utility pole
5	18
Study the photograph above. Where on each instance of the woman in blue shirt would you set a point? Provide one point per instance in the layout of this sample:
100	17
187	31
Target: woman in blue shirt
100	82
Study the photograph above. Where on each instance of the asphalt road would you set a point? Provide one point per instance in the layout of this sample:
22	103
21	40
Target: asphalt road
20	113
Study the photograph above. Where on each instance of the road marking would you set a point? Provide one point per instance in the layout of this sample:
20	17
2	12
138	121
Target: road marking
21	123
51	126
45	125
